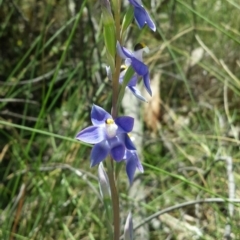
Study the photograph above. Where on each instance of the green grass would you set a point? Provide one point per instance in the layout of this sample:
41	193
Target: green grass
47	189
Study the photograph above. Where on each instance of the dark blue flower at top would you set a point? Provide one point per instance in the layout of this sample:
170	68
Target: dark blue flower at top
135	60
141	15
109	135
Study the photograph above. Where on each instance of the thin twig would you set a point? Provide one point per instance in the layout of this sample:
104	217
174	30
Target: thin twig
78	172
185	204
210	53
62	73
18	100
21	116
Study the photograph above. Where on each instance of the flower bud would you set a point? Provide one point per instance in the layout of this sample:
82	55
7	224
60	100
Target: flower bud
109	72
103	182
128	228
106	12
105	4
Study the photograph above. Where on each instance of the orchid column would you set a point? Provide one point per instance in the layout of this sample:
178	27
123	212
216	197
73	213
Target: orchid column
110	133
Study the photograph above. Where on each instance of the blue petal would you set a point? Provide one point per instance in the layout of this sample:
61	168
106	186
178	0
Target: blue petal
128	142
139	67
134	3
93	135
150	22
137	160
131	168
132	162
99	153
139	166
133	80
125	123
128	61
99	115
117	152
140	16
146	81
123	52
137	93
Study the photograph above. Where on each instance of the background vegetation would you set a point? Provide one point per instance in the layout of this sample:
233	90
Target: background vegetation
52	70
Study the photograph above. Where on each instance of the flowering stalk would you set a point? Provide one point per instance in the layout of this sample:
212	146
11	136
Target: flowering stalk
115	200
110	133
115	85
106	197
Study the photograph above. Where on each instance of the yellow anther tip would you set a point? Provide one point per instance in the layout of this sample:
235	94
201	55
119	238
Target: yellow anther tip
123	67
109	121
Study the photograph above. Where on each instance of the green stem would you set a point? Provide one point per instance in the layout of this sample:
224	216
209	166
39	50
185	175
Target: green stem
115	200
115	82
115	85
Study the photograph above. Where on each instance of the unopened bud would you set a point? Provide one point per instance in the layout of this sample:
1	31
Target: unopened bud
106	5
128	228
106	11
109	72
103	182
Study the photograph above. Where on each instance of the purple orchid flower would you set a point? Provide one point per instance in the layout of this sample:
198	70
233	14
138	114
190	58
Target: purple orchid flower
141	15
135	60
132	83
132	163
109	136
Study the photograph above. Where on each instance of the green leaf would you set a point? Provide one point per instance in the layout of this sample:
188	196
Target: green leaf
127	20
128	75
110	61
110	38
